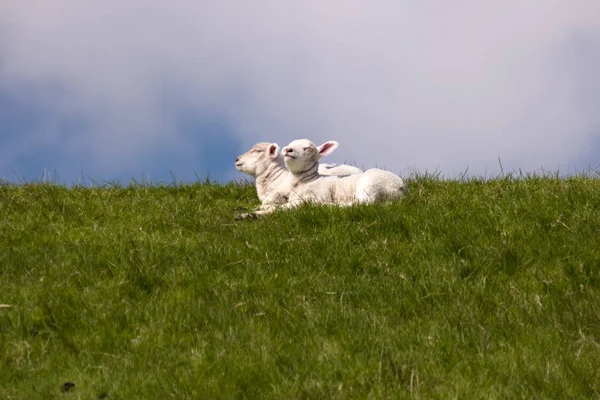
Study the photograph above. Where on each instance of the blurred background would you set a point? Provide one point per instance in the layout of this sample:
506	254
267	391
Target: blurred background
110	91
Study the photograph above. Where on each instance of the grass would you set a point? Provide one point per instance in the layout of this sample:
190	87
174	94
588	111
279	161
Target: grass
464	289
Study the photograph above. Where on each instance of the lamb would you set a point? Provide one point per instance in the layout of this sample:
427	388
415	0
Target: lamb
273	181
308	185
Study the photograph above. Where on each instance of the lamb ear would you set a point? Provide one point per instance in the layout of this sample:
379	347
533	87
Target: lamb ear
328	147
274	150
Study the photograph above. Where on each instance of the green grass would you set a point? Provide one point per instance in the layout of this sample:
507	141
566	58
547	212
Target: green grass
464	289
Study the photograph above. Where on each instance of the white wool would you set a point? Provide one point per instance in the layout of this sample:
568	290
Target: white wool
338	169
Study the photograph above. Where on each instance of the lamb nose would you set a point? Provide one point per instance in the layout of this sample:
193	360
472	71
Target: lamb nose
237	159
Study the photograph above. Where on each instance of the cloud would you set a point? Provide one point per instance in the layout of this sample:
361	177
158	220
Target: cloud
400	84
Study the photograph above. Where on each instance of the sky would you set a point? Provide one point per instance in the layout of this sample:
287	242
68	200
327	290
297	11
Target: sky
114	91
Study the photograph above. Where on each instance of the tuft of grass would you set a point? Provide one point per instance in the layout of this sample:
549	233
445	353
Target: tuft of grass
471	288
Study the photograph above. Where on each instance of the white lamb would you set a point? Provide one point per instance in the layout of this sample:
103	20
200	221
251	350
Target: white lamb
308	185
265	162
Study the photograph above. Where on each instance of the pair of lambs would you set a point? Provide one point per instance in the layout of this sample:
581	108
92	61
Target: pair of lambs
305	180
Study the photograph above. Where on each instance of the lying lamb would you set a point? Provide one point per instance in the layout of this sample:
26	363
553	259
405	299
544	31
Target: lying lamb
308	185
273	181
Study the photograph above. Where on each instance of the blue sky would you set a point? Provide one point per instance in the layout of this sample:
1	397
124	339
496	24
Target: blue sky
114	91
38	138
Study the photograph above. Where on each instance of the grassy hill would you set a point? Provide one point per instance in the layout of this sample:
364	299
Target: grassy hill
467	289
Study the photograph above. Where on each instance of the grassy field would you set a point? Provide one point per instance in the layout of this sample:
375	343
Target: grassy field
465	289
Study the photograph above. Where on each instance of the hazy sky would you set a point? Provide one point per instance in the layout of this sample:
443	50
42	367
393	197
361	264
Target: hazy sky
114	90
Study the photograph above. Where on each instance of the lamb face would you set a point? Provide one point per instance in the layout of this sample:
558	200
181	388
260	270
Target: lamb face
302	155
256	160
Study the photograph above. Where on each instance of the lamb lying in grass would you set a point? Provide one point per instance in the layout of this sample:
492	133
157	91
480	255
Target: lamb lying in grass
265	162
308	185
